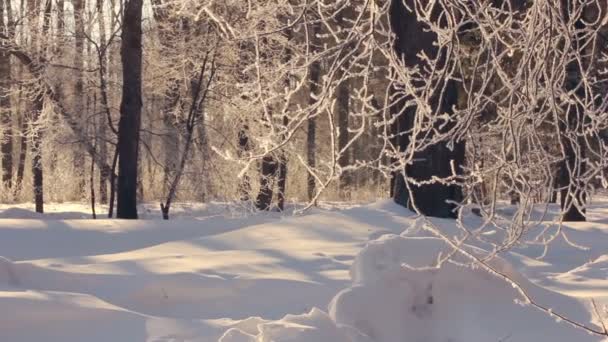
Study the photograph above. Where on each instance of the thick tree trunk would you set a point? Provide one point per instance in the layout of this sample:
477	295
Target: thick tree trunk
130	110
573	167
435	199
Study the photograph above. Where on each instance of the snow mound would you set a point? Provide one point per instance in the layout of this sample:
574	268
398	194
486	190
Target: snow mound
390	302
19	213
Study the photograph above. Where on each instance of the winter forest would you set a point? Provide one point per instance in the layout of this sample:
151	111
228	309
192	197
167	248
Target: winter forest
304	170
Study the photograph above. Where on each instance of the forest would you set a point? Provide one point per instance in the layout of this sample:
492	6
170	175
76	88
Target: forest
436	104
479	126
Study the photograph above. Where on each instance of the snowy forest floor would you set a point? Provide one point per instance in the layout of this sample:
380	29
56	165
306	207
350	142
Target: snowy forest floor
216	272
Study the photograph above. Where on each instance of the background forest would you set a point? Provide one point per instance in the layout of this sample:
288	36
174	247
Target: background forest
434	103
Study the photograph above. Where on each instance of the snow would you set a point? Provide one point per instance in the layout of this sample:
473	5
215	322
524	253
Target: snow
218	273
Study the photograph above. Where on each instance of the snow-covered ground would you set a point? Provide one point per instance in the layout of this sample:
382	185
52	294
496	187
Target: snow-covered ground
218	273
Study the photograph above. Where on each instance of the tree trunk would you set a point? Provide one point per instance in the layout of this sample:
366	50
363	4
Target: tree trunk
435	199
79	95
343	112
282	179
6	146
268	170
37	168
343	108
104	174
22	149
130	110
314	79
243	148
573	167
311	137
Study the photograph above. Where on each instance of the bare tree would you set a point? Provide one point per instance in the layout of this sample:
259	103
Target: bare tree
130	110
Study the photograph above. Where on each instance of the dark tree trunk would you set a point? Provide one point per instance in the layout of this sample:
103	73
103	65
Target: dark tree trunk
79	94
244	147
573	167
37	169
92	187
282	181
130	110
268	170
311	137
435	199
104	174
6	146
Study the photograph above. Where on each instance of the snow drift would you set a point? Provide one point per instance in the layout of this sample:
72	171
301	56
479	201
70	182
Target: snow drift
389	302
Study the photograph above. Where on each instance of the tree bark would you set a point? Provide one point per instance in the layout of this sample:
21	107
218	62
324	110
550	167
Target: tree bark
435	199
268	170
37	167
6	146
79	96
343	112
243	148
130	110
573	167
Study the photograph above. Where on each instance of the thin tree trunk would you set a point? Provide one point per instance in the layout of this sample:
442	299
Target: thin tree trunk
92	184
243	148
22	146
130	110
113	184
37	168
79	96
311	136
6	146
343	112
282	175
343	109
198	98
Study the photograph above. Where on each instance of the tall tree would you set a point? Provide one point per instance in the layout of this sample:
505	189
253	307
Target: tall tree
79	93
130	110
573	165
314	77
343	94
6	146
433	197
104	175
